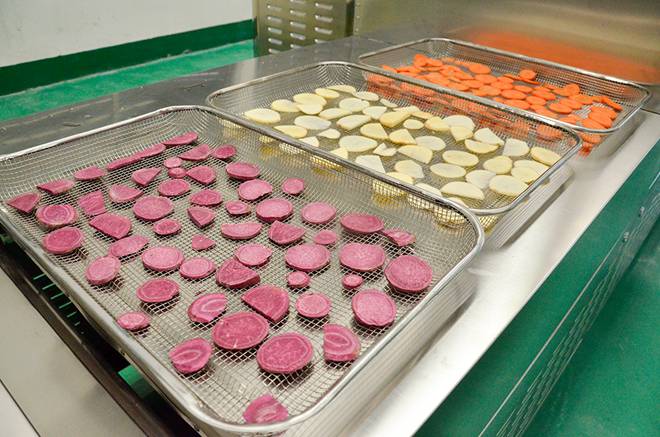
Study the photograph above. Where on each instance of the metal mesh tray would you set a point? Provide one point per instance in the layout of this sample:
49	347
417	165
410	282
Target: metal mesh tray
261	92
629	95
448	237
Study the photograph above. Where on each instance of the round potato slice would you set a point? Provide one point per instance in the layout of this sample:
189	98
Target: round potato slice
371	161
309	99
485	135
342	88
514	147
401	136
460	133
430	142
507	185
436	124
524	174
332	113
326	93
387	103
409	109
460	120
353	104
499	165
383	150
374	130
462	189
354	121
544	156
536	166
312	141
480	178
332	134
479	148
357	143
367	95
418	153
263	115
310	108
448	171
413	124
311	122
284	105
409	167
292	130
393	118
458	157
423	115
374	111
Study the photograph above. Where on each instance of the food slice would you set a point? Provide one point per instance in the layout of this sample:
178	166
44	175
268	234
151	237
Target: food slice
284	233
89	173
162	258
204	174
332	134
430	142
460	133
253	254
514	147
240	231
458	157
459	120
309	99
112	225
232	274
423	115
25	203
201	216
479	148
449	171
436	124
462	189
544	156
399	237
240	331
499	165
524	174
102	270
285	353
409	167
263	115
340	344
362	257
370	161
268	300
393	118
310	108
536	166
266	409
480	178
507	185
313	305
157	290
191	356
326	93
387	103
401	136
409	273
374	130
57	187
333	113
311	122
351	122
353	104
284	105
413	124
367	95
144	176
196	268
485	135
343	88
292	130
207	307
63	241
373	308
374	112
307	257
383	150
357	143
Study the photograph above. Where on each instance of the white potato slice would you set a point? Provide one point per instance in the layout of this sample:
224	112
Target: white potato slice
309	99
292	130
401	176
409	167
341	152
312	141
524	174
352	104
448	171
284	105
326	93
393	118
430	142
458	157
418	153
374	111
485	135
289	149
374	130
423	115
499	164
387	190
342	88
310	108
383	150
544	156
333	134
332	113
371	161
387	103
460	120
479	148
263	115
413	124
367	95
480	178
514	147
410	109
311	122
460	133
507	185
536	166
436	124
462	189
354	121
357	143
401	136
429	188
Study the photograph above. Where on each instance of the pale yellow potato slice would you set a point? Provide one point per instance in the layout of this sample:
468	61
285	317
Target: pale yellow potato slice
332	113
429	188
332	134
383	150
374	130
310	108
430	142
418	153
485	135
341	152
462	189
387	190
413	124
342	88
353	104
524	174
480	178
367	95
536	166
263	115
460	133
459	120
357	143
326	93
292	130
289	149
401	136
514	147
387	103
312	141
448	171
479	148
409	167
460	158
374	111
507	185
411	109
371	161
324	163
284	105
354	121
393	118
420	203
499	164
309	99
311	122
544	156
436	124
423	115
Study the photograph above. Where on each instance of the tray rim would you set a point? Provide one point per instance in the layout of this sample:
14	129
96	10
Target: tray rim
164	380
556	65
390	180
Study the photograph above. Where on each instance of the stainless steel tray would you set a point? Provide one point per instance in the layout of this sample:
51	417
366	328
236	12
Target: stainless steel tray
261	92
215	399
629	95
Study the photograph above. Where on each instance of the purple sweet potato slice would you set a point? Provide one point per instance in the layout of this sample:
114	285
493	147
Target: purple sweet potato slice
197	268
128	246
122	162
201	242
55	216
207	307
298	279
166	226
102	270
191	356
177	172
253	254
283	233
361	223
399	237
173	162
293	186
318	213
57	187
89	173
112	225
134	320
181	140
203	174
362	257
409	274
201	216
157	290
123	194
150	151
224	152
92	203
240	231
162	258
326	237
233	274
265	409
240	331
242	171
197	153
373	308
270	210
254	189
63	241
206	197
145	176
313	305
236	207
351	281
340	344
25	202
173	187
285	353
268	300
152	208
307	257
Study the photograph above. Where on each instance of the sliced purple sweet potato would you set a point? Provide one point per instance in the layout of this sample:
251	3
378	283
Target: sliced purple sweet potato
307	257
240	331
56	215
362	257
120	193
340	344
134	320
351	281
206	197
242	171
361	223
89	173
103	270
92	203
167	226
203	174
399	237
197	268
270	210
240	231
236	207
152	208
173	187
313	305
181	140
318	213
265	409
298	279
157	290
191	356
373	308
253	254
268	300
201	242
409	274
283	233
207	307
233	274
172	162
285	353
63	241
293	186
57	187
177	173
224	152
162	258
25	203
145	176
254	189
150	151
122	162
326	237
201	216
112	225
128	246
197	153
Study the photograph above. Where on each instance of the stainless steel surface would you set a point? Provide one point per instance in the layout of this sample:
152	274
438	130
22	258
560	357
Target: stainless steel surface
215	399
629	95
12	420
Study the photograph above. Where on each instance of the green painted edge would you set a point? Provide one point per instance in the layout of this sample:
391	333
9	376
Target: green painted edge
19	77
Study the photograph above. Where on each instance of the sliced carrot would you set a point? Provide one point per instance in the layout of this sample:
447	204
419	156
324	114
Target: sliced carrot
452	68
439	68
517	103
551	87
611	103
463	75
572	89
432	62
606	111
388	68
408	69
485	78
601	118
542	88
505	79
523	89
537	108
527	74
571	103
582	98
548	132
490	90
458	86
479	92
572	119
558	107
447	59
597	99
419	60
502	85
590	138
511	76
513	94
407	73
472	83
438	80
479	68
544	95
455	79
499	99
533	100
562	92
530	81
592	124
546	112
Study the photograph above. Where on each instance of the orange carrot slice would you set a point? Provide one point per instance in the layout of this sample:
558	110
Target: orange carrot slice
601	118
513	94
592	124
546	112
582	98
534	100
502	85
572	89
458	86
607	111
479	68
527	74
523	88
558	107
611	103
505	79
571	103
547	95
485	78
517	103
473	83
490	90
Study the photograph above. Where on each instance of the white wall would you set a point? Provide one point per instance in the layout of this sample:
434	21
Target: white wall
38	29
